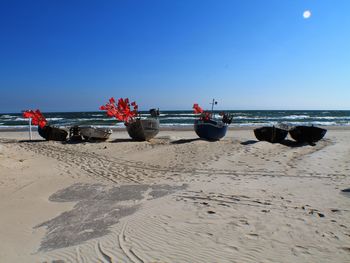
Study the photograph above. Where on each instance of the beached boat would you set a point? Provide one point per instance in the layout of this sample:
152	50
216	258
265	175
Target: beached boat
143	129
95	133
51	133
211	130
270	134
309	134
74	134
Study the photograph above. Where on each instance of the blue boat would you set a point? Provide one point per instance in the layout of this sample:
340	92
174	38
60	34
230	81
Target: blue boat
211	130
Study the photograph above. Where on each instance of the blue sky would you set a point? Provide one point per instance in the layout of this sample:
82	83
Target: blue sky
248	54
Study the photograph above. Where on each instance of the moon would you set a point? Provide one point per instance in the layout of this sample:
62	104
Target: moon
307	14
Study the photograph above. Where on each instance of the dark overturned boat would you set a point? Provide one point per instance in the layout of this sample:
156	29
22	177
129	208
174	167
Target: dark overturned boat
307	134
209	128
51	133
144	129
270	134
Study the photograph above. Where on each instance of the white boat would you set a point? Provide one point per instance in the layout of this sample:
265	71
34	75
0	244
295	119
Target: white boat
95	133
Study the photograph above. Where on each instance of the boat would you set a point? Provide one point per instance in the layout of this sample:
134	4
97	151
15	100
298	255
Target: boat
307	134
93	133
51	133
209	128
143	129
270	134
74	134
212	130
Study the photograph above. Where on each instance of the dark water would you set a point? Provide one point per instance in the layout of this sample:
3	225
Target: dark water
186	118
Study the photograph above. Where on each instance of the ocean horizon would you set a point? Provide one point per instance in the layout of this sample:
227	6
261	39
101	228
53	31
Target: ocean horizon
183	118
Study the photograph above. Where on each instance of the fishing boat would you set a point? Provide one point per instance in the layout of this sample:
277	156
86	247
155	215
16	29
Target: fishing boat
307	134
74	134
270	134
93	133
51	133
138	128
209	128
143	129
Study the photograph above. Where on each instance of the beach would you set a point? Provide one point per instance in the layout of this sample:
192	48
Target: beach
176	198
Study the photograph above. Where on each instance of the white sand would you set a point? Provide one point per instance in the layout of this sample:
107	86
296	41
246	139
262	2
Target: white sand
174	199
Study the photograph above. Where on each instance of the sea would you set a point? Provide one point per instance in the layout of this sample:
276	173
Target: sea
186	118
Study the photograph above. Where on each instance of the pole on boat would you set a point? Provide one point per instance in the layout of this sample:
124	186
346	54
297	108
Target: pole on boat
30	128
212	105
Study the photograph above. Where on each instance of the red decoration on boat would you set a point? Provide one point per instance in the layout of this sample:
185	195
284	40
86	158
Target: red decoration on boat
122	111
204	115
197	109
37	117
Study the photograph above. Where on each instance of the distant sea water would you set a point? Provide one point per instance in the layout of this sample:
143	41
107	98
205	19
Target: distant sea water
186	118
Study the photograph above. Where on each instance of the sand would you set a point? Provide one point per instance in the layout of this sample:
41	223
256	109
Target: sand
175	199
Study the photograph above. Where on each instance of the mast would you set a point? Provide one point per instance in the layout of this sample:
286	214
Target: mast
212	105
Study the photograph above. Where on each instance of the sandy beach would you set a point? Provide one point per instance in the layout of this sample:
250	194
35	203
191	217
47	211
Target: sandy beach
175	199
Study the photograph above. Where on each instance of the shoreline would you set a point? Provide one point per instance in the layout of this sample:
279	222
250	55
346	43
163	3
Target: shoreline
175	128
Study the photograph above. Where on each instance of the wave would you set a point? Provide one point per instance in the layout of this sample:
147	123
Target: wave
20	119
54	119
178	118
295	117
6	116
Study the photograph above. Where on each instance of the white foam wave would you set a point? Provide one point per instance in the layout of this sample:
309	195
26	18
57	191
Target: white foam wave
175	124
54	119
178	118
6	116
20	119
332	118
294	117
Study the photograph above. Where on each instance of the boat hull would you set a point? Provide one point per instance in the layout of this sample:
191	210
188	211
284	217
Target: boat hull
309	134
52	133
270	134
143	130
95	133
210	130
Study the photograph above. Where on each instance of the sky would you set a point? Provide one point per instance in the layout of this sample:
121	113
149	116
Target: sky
64	55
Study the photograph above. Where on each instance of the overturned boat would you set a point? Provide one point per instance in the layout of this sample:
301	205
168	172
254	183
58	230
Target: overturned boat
51	133
211	130
307	134
270	134
143	129
93	133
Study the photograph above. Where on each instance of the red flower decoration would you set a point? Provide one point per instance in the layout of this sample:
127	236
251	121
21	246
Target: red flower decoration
197	109
122	110
37	117
204	115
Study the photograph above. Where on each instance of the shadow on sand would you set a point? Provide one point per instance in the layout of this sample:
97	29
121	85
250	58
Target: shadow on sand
249	142
32	141
294	144
182	141
123	140
289	143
